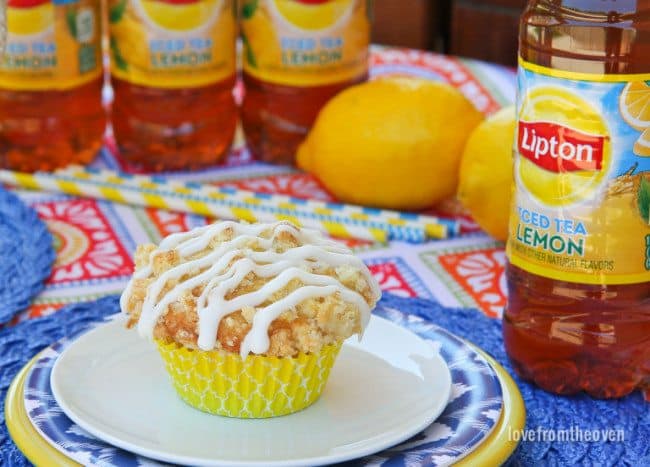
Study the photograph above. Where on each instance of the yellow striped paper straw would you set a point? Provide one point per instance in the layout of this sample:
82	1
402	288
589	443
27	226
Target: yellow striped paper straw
400	225
221	202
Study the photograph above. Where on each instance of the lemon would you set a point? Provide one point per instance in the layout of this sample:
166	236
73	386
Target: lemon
312	15
30	20
486	180
642	145
392	143
179	16
634	104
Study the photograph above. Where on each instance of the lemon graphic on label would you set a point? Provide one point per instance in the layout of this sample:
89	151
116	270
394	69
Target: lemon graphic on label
27	17
180	15
624	209
564	147
635	104
313	15
642	145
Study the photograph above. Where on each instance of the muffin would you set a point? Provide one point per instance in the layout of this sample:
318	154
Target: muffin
248	318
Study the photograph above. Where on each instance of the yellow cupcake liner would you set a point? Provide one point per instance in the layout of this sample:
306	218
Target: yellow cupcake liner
223	383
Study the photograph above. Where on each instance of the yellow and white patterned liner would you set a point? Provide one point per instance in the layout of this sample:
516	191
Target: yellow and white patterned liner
259	386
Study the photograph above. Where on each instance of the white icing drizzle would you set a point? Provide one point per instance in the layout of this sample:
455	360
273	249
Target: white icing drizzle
224	268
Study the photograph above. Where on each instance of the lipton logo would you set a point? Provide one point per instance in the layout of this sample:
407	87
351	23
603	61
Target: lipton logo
560	149
25	3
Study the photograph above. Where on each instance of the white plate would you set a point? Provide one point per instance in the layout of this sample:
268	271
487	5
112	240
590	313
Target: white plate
381	391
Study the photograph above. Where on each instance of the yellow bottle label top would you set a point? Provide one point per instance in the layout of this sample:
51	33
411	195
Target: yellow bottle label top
305	42
172	43
581	211
51	44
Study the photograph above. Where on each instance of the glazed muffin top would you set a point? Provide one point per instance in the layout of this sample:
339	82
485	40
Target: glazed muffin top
271	289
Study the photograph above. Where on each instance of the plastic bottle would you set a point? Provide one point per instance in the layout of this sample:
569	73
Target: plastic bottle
578	312
173	73
297	55
51	111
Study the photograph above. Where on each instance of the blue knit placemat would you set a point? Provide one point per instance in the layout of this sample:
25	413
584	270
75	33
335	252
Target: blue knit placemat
26	255
545	411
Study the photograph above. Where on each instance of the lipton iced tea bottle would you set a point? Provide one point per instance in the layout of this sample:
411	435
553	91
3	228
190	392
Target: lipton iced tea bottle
297	55
51	112
173	72
578	314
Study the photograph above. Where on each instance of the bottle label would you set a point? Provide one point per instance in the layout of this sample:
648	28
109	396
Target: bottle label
305	42
51	44
581	210
172	43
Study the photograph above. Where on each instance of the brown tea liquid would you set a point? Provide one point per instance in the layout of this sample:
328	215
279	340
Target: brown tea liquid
276	118
43	130
173	129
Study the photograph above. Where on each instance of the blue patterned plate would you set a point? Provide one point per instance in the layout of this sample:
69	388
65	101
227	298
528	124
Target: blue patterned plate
470	416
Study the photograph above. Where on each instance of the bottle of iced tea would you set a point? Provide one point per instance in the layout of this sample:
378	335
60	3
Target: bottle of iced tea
51	110
297	55
173	73
578	313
